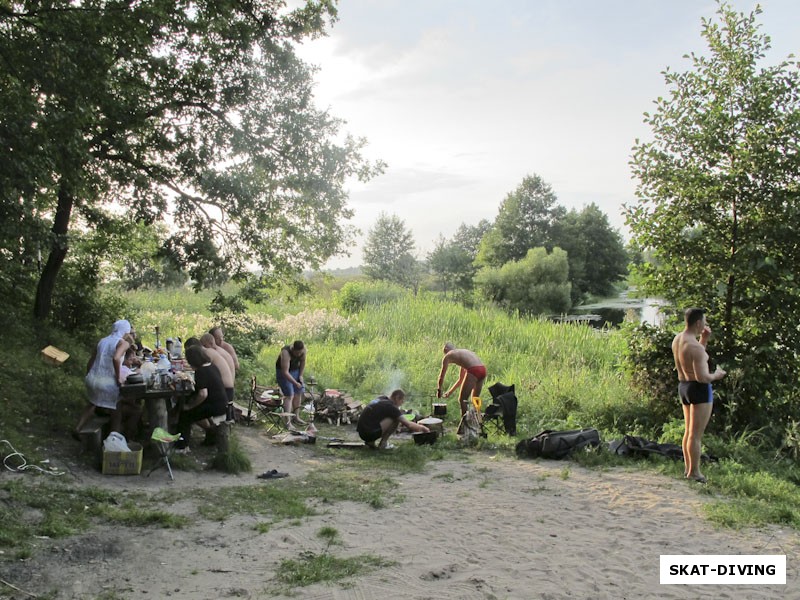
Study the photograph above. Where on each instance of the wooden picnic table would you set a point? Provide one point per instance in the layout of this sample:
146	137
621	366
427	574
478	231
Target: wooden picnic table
155	401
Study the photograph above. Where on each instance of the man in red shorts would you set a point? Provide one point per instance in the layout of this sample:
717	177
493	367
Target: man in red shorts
471	377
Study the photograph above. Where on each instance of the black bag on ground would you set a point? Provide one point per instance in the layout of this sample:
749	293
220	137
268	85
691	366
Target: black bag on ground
557	444
632	445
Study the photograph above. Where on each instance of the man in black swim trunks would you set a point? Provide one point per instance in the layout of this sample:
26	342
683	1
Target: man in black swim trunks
694	386
380	418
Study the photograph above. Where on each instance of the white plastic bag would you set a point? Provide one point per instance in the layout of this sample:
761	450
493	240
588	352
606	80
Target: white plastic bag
115	442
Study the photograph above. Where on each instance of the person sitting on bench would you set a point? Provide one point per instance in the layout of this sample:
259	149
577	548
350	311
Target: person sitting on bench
209	399
380	418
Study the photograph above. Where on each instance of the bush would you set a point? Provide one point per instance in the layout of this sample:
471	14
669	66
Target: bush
355	295
537	284
81	305
247	332
649	363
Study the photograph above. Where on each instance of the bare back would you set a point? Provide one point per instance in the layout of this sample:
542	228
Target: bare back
462	357
691	359
218	360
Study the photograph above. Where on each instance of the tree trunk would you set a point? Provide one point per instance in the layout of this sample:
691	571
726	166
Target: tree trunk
58	252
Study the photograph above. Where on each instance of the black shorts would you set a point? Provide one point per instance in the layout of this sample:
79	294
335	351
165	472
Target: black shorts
370	435
694	392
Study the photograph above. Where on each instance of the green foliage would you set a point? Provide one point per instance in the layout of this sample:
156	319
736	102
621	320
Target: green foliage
453	261
62	509
524	221
200	115
245	332
537	284
234	461
529	217
650	367
717	209
597	256
81	304
357	295
388	253
313	568
561	371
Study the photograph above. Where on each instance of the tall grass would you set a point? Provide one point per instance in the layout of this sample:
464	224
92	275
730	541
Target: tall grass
564	373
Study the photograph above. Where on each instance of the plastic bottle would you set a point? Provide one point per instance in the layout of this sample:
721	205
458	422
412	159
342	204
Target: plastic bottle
177	348
163	365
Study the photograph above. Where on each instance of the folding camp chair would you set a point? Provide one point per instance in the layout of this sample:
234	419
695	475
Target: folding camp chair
501	415
164	442
265	403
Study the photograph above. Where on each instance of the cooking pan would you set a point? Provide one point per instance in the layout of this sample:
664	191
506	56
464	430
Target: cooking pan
425	437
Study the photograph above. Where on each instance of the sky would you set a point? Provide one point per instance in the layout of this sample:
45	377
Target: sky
464	98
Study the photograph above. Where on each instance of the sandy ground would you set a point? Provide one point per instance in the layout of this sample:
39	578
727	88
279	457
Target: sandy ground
485	527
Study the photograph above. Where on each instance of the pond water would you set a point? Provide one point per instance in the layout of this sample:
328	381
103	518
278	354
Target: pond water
613	311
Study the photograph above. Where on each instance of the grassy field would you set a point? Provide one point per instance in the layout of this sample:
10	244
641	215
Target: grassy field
566	376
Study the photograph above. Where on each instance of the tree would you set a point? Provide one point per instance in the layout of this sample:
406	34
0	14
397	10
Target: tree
388	252
537	284
453	261
524	221
719	208
196	113
597	256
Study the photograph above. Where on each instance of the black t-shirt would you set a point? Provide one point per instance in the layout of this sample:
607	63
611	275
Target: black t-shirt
375	412
208	377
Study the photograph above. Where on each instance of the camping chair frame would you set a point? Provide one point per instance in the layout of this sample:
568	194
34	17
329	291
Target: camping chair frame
271	411
501	415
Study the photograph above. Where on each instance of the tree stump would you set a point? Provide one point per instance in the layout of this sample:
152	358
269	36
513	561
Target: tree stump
223	432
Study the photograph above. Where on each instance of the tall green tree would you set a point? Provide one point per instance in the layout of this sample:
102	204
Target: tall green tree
453	261
596	252
524	221
719	208
389	253
199	113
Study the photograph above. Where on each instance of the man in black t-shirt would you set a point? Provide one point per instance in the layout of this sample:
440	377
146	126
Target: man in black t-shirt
209	399
380	418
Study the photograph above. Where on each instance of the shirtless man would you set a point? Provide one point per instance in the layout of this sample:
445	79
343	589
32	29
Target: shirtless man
219	338
209	343
471	377
694	386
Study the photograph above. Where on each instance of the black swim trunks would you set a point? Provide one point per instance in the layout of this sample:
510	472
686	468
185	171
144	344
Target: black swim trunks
694	392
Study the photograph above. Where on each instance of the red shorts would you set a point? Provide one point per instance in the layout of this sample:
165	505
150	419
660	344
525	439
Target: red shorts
478	371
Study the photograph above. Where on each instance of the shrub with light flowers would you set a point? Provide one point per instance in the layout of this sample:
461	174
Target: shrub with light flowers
319	324
247	332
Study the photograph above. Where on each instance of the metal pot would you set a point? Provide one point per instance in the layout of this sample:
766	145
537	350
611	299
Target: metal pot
433	424
422	437
439	409
134	378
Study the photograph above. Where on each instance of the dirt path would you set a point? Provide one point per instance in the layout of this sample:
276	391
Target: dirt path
486	527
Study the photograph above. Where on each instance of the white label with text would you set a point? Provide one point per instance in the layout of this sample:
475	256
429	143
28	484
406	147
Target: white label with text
718	569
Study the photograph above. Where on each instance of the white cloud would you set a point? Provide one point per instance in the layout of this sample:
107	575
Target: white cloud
463	98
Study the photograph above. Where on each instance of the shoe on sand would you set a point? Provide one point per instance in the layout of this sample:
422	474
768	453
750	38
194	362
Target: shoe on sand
273	474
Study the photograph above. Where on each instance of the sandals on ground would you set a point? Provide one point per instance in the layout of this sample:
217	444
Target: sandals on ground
273	474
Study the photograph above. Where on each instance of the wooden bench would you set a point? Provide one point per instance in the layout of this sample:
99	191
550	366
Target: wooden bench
93	433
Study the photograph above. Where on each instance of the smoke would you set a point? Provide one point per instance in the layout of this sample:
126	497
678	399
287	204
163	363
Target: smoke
396	379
